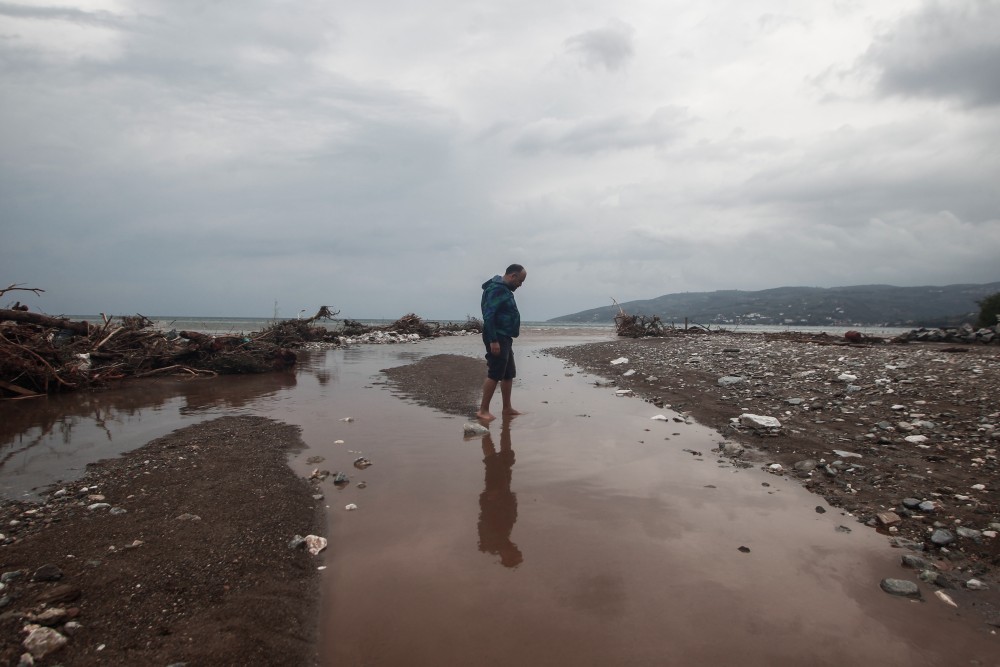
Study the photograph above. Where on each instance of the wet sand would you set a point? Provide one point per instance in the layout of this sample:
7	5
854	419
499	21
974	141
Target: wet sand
580	533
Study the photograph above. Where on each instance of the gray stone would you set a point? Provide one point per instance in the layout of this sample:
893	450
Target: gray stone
795	401
911	503
976	585
904	543
731	380
928	506
806	465
732	449
942	537
902	587
914	562
47	572
969	533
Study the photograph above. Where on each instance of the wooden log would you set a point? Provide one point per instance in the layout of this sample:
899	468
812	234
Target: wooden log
17	390
82	328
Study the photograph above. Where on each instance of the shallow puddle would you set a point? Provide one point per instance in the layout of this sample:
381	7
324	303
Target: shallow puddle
580	533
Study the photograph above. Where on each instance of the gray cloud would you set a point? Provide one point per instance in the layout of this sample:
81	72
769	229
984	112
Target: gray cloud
610	47
593	135
945	50
213	158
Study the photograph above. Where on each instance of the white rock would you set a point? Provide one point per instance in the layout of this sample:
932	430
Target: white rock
846	455
898	407
629	373
759	421
314	544
776	467
976	585
475	429
979	487
916	439
619	360
623	392
660	418
350	507
847	377
338	442
944	597
42	641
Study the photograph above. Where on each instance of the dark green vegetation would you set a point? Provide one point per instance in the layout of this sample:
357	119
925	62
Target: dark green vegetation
949	305
989	311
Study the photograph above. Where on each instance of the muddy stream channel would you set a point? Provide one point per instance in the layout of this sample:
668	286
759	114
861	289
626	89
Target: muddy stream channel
579	533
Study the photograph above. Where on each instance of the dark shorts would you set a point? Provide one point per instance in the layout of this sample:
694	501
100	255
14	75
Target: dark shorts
500	367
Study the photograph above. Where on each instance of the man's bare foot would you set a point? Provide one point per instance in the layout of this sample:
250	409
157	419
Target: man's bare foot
484	416
511	412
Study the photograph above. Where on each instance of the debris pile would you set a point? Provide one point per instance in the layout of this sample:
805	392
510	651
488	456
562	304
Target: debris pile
637	326
43	355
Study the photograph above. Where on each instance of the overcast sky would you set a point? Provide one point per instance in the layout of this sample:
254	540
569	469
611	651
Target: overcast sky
186	157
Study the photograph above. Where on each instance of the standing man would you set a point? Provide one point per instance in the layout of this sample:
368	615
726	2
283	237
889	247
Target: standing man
501	325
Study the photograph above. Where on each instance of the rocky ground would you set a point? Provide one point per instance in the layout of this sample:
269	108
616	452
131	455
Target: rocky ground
903	437
175	554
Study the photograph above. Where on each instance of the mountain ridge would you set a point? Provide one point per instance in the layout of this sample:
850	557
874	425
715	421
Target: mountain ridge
869	305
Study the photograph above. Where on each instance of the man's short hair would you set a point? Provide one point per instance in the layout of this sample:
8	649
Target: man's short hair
513	268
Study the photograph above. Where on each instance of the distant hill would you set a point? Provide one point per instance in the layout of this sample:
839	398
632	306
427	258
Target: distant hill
869	305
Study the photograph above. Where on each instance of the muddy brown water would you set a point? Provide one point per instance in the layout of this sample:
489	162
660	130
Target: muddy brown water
580	533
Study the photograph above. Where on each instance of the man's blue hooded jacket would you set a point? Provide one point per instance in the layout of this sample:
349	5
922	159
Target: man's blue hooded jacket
500	315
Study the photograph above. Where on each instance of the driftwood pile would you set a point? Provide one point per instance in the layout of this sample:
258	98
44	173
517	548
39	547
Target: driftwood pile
43	355
412	324
637	326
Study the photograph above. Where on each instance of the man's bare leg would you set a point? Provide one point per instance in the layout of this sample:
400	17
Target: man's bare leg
505	389
489	386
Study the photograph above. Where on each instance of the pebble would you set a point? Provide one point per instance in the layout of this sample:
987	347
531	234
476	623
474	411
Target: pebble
914	562
976	585
944	597
942	537
474	429
902	587
41	641
889	518
47	572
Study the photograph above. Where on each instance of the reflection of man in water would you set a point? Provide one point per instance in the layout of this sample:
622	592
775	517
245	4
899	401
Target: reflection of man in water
497	505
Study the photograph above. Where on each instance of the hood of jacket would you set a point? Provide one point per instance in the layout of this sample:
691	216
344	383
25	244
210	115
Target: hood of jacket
494	282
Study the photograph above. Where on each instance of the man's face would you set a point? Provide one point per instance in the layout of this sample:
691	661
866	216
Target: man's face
515	280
